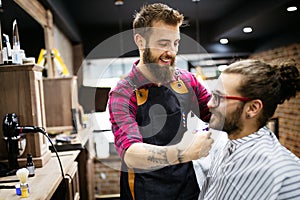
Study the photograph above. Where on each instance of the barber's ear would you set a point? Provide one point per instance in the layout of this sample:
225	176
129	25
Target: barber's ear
139	41
254	108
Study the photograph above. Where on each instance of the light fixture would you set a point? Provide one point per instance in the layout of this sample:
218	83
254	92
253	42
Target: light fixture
119	2
247	29
224	41
291	8
195	0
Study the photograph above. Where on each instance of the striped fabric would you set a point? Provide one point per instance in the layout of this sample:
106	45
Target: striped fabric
202	165
254	167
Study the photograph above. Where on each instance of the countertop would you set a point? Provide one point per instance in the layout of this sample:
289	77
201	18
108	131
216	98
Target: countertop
46	179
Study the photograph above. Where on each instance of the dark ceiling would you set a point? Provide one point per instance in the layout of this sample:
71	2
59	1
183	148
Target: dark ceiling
91	22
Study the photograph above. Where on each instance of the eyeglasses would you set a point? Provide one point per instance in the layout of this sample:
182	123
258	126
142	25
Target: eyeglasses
215	98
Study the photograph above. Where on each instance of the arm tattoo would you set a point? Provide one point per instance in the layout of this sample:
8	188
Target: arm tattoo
158	156
179	155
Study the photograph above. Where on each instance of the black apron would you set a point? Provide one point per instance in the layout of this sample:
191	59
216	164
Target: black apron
162	121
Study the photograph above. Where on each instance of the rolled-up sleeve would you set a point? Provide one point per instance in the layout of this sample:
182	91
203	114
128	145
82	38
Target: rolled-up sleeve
122	109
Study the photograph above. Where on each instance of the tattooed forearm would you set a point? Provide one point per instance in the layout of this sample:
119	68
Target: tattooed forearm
158	160
157	156
147	156
160	157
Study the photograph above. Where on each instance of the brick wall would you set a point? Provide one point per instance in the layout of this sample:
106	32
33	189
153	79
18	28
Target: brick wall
107	175
289	112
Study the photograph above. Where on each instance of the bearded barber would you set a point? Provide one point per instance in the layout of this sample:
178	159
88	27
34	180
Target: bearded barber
148	112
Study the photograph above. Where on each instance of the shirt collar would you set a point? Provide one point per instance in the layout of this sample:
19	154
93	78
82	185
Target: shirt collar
249	139
137	77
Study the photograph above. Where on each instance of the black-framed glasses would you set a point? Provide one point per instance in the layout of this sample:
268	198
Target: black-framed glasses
215	98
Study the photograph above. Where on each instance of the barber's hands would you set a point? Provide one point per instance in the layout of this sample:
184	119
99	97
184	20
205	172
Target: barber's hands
194	146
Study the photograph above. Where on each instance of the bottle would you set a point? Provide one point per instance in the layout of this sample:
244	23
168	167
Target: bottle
7	58
30	165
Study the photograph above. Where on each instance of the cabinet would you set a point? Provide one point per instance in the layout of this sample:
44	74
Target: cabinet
21	89
61	103
68	189
72	180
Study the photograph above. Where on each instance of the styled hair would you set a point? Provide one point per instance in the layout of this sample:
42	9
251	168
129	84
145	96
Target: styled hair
148	14
272	83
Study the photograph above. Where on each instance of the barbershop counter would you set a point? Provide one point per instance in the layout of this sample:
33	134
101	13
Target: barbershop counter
47	179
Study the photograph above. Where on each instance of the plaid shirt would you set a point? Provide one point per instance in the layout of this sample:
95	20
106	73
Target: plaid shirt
123	106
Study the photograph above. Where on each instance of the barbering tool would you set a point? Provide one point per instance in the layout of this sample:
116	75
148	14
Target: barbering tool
10	122
6	50
16	51
7	187
22	174
16	39
12	133
9	181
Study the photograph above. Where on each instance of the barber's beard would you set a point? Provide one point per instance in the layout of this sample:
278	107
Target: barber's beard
230	123
162	74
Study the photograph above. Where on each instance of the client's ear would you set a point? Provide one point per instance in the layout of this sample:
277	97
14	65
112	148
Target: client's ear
254	108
